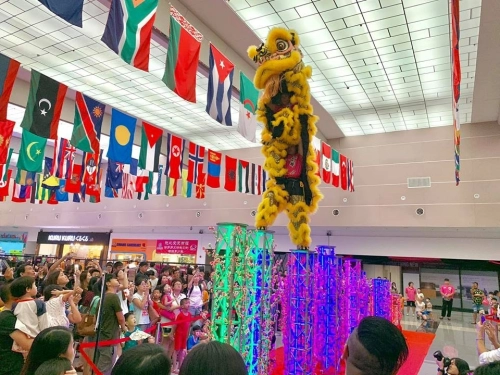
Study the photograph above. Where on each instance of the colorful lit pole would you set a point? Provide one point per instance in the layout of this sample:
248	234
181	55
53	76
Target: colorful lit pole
382	298
228	283
300	300
327	346
256	342
351	279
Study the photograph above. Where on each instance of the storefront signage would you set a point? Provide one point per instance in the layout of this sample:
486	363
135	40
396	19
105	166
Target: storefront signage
70	237
13	236
128	245
185	247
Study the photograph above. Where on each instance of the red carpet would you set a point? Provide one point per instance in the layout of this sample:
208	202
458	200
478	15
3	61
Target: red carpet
418	343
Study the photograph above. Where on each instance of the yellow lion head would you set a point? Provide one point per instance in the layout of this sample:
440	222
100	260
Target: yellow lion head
279	54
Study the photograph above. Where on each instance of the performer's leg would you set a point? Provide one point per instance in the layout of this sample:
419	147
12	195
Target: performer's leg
273	202
298	226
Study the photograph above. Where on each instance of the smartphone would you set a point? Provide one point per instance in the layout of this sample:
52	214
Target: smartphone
483	319
77	267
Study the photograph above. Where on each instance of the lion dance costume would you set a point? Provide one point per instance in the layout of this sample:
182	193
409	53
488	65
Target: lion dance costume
289	126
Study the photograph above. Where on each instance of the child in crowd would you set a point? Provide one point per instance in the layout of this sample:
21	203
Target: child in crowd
55	300
181	334
31	314
194	338
419	309
133	330
427	312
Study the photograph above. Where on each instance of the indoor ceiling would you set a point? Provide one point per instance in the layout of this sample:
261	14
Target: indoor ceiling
76	57
378	65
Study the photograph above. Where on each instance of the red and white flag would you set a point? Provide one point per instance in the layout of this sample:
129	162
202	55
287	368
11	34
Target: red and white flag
64	159
327	162
350	175
175	151
316	143
343	172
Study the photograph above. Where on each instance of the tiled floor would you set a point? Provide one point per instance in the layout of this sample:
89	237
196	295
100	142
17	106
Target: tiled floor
455	338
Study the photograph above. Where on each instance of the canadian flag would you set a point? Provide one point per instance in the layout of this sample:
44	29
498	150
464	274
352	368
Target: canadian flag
327	162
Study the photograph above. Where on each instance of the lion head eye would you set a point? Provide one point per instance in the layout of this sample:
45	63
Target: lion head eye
281	45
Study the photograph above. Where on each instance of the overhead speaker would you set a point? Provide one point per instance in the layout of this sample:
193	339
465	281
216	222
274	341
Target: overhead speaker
419	211
336	212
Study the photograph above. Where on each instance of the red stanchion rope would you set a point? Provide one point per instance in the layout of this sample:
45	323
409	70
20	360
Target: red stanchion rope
86	345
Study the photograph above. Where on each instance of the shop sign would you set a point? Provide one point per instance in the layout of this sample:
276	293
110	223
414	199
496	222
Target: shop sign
71	237
185	247
128	245
13	236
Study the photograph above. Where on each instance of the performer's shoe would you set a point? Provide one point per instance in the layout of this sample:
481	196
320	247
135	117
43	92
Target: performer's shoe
300	247
261	228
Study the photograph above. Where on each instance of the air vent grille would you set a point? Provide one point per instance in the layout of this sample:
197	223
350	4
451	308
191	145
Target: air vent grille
419	182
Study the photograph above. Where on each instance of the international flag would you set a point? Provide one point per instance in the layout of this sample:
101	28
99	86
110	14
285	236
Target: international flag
32	152
252	177
175	153
327	162
25	177
89	114
49	181
230	176
20	193
4	184
243	175
195	163
74	184
6	129
61	193
45	101
64	155
149	157
343	172
79	196
142	175
128	30
220	85
114	174
249	96
70	11
121	138
316	143
187	186
350	175
335	168
171	187
200	186
8	74
109	192
183	54
4	167
155	178
42	194
91	167
213	169
456	80
129	186
259	182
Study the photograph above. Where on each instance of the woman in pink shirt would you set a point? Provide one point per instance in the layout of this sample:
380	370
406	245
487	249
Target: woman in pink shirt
410	292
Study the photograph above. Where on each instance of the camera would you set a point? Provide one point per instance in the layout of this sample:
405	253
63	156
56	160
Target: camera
440	357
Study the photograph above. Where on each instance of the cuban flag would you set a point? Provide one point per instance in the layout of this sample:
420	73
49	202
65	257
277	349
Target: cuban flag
220	81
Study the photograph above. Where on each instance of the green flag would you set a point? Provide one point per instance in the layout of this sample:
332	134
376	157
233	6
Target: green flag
45	101
32	152
249	96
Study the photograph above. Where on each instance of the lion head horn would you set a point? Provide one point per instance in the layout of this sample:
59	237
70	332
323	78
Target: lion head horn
252	52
